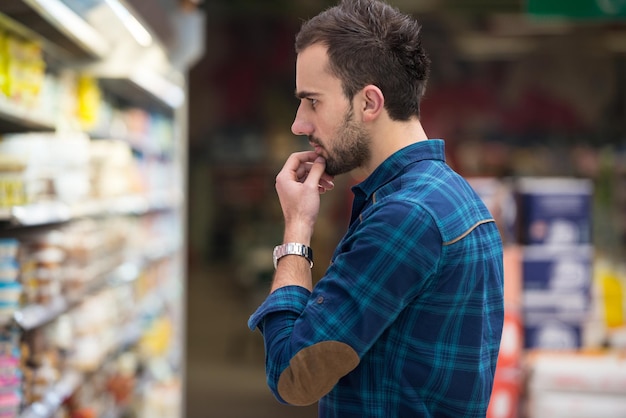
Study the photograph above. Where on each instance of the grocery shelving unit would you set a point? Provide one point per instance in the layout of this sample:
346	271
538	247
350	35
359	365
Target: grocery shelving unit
70	42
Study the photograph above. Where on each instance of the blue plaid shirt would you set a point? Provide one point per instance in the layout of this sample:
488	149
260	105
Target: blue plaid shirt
407	320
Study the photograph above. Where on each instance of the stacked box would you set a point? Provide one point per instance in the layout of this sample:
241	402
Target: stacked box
576	384
554	211
555	230
556	295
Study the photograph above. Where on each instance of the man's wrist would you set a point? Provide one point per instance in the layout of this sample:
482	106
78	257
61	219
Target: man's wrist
298	232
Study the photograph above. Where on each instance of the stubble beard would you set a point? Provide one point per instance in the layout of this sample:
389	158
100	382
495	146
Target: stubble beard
350	148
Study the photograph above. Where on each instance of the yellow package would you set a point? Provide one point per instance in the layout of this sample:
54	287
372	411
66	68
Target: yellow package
4	58
612	288
89	99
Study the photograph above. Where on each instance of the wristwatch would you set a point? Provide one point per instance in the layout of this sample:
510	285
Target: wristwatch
293	248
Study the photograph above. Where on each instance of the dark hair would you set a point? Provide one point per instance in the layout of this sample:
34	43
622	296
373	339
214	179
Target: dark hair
371	42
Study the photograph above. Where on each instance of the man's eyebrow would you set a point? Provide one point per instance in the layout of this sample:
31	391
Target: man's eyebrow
304	94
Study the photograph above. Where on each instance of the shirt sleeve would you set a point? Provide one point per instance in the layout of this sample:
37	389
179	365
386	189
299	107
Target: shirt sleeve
383	264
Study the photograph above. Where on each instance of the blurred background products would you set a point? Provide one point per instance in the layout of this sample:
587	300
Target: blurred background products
92	208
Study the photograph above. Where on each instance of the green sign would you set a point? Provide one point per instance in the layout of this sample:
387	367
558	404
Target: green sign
578	9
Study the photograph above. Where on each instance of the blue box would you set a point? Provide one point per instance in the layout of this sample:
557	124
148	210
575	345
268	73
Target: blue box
557	268
554	211
556	294
553	334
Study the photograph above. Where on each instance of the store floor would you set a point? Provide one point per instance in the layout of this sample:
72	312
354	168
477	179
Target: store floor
225	376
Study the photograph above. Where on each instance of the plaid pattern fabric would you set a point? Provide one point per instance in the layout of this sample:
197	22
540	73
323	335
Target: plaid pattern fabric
415	287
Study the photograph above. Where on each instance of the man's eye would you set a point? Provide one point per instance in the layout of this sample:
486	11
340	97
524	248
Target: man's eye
313	102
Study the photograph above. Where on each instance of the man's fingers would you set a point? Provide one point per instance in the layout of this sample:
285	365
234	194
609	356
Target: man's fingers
299	159
316	172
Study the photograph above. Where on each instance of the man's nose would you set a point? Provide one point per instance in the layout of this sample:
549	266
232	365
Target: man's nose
300	125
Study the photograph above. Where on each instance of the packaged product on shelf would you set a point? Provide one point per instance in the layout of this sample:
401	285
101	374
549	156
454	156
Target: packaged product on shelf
161	130
4	60
10	293
94	332
113	171
10	373
41	259
162	400
576	405
121	381
66	261
577	384
12	188
10	288
42	364
578	371
24	69
556	295
611	280
554	211
152	139
9	248
89	98
56	166
93	248
137	123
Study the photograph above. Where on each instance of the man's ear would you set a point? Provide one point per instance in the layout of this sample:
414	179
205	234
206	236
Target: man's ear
373	102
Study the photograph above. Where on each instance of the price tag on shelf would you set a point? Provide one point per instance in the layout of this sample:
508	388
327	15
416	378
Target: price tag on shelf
33	316
41	213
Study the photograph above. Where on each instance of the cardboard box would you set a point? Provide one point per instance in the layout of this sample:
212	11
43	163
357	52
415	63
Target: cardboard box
580	372
576	405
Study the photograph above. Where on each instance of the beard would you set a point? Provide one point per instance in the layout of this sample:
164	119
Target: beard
350	147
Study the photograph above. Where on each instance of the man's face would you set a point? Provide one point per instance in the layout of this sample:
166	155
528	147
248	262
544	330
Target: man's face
326	116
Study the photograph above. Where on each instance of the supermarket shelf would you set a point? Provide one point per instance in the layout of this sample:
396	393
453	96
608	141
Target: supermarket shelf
36	315
40	214
15	118
56	26
52	212
129	335
72	380
33	316
146	89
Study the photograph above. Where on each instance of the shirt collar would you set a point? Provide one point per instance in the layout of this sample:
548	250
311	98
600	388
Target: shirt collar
432	149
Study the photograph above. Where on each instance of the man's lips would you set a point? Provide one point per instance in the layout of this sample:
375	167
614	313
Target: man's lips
317	148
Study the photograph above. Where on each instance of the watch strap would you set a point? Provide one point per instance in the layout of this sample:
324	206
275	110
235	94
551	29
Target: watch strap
292	248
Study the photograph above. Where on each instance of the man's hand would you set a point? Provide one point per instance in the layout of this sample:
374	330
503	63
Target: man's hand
299	185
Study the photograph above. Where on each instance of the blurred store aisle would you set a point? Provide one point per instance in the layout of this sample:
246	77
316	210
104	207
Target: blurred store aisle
225	377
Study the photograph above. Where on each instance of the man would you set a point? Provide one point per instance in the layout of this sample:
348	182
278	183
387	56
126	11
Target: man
407	320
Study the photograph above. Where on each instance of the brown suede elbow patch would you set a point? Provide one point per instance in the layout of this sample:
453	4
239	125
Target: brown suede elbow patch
315	370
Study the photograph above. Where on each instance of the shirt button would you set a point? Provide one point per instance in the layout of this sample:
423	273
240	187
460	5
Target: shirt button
320	300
